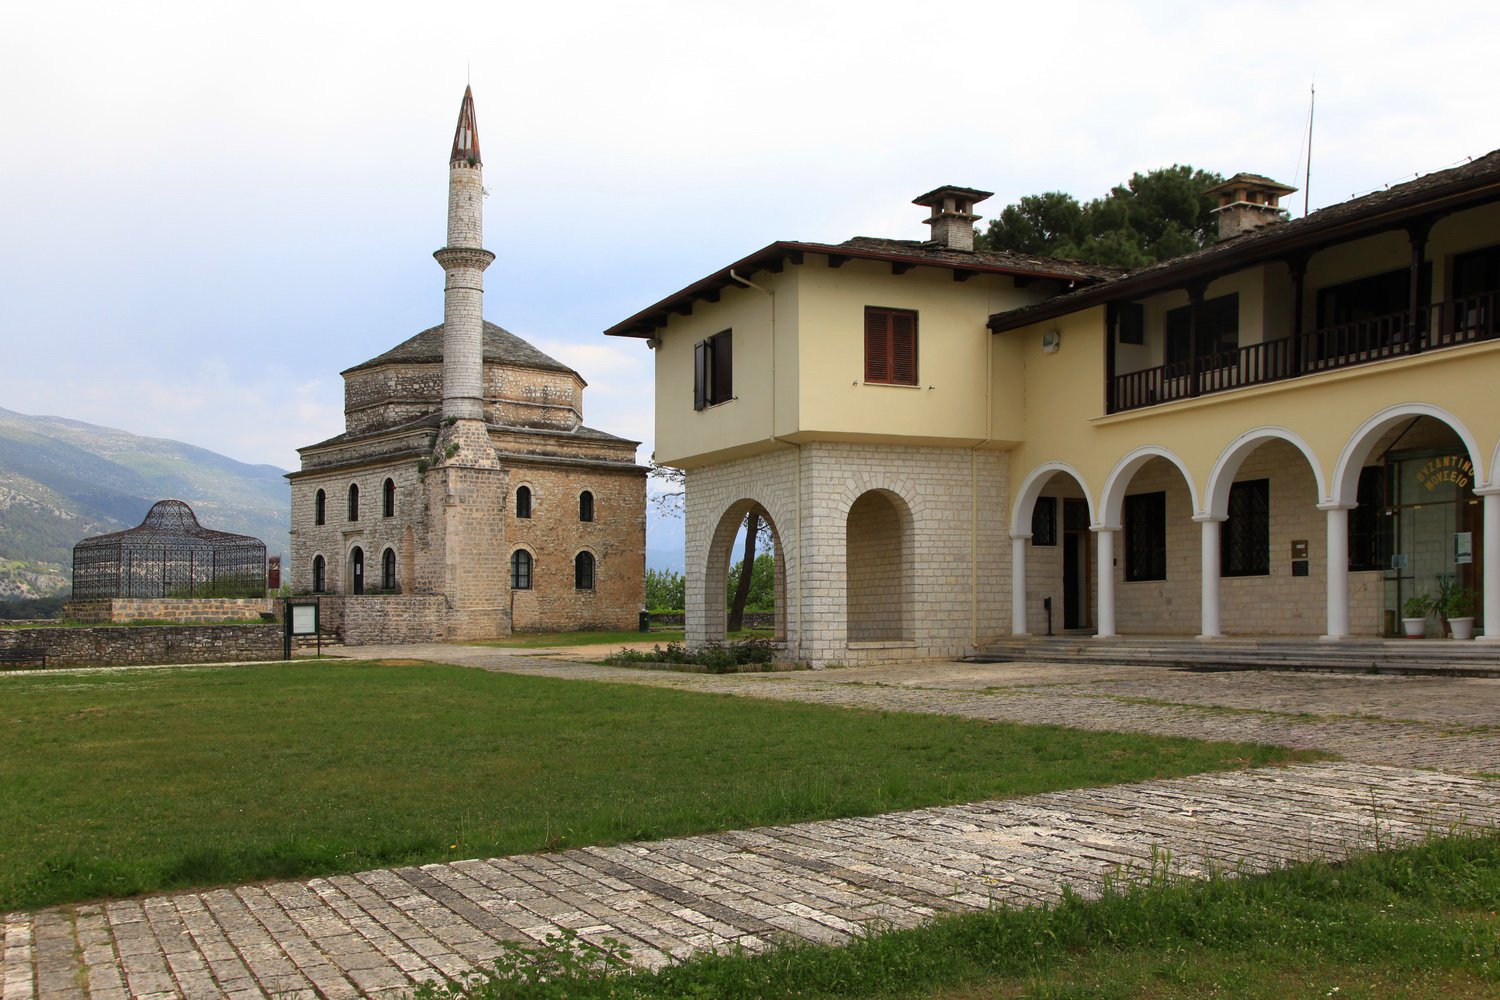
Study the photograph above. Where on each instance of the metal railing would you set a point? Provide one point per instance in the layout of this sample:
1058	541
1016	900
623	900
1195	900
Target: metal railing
1442	324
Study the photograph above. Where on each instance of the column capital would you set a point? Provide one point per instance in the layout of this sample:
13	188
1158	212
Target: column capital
1336	505
1487	491
1019	536
1097	528
1208	518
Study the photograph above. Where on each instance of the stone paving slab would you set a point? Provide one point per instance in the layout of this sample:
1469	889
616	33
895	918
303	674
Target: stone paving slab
382	932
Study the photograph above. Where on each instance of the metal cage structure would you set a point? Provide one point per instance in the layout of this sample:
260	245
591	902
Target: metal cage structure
170	555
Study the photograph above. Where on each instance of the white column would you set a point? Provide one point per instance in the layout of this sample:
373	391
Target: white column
1106	610
1018	584
1338	573
1490	568
1210	573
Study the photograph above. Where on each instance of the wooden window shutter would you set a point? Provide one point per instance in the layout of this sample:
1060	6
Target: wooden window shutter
700	375
723	363
877	345
904	348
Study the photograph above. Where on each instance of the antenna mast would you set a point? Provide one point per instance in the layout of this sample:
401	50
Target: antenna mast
1312	97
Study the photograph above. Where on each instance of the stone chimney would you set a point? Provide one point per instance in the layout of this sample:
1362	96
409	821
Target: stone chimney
953	217
1247	202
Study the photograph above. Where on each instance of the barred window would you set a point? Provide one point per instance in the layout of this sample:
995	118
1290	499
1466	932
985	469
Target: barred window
520	570
388	499
354	501
320	507
1245	539
1044	521
1146	536
583	571
523	501
388	569
585	506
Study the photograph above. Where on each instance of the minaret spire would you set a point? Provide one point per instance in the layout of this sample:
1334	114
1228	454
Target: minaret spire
464	260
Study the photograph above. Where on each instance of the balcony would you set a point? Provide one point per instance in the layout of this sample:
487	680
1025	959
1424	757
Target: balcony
1440	325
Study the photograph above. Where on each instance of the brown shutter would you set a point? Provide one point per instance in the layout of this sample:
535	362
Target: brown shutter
700	375
904	348
723	361
877	345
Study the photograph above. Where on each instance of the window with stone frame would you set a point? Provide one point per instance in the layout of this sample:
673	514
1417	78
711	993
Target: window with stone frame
319	575
1245	538
890	346
1145	531
586	506
320	507
523	501
388	569
520	570
388	498
713	370
583	571
1044	521
354	501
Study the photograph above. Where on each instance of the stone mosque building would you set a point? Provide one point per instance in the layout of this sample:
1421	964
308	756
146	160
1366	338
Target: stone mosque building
466	498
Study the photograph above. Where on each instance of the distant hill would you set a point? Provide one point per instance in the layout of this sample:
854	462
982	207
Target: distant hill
64	480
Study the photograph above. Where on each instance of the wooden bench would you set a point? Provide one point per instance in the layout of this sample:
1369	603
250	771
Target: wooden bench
23	656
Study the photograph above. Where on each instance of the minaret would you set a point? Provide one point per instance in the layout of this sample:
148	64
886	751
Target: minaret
464	260
466	482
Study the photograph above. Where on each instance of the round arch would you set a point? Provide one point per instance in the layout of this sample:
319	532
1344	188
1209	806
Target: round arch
1345	485
1113	500
356	570
716	569
1221	477
879	568
1031	488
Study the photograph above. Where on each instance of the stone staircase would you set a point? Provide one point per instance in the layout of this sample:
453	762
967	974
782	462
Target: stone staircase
1443	657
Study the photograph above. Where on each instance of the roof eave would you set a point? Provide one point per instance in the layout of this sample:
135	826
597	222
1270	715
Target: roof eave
1265	245
645	323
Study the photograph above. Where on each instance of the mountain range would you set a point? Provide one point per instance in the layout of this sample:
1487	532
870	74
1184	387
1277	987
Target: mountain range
64	480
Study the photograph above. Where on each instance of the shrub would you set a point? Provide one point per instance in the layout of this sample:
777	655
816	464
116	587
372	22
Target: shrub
716	658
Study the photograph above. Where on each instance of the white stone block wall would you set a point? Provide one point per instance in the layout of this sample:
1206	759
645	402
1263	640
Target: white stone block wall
934	486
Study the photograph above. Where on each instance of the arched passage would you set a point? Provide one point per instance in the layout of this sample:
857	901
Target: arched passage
1053	562
723	552
880	560
1263	562
1151	582
1404	497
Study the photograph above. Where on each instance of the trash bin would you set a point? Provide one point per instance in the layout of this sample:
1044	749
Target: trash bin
645	621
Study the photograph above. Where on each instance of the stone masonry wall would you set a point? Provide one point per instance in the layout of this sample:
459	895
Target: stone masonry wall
337	537
127	645
376	619
554	535
187	611
933	484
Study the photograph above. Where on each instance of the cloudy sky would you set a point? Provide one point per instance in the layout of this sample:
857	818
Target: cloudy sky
208	210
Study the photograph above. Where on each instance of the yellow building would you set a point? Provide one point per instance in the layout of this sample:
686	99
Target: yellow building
1291	432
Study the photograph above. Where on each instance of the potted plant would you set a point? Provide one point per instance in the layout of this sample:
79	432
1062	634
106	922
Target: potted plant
1414	615
1458	610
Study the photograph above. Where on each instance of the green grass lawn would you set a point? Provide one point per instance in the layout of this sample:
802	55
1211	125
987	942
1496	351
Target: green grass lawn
1419	922
127	782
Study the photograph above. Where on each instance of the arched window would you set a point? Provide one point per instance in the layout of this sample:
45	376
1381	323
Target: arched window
523	501
583	571
354	501
585	506
388	568
388	498
320	507
520	570
357	571
320	576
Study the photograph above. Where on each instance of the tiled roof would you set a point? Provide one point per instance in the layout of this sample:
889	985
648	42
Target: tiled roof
500	347
1002	260
1472	183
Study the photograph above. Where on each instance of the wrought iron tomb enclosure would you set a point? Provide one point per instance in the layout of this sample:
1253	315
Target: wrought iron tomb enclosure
169	555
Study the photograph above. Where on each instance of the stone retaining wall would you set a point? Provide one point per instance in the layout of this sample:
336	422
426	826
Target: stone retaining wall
188	611
125	645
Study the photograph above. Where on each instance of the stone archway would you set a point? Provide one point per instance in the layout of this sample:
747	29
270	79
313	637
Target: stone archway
1153	583
722	552
880	562
1053	562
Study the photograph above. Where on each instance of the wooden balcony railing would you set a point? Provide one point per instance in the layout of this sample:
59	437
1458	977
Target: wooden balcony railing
1443	324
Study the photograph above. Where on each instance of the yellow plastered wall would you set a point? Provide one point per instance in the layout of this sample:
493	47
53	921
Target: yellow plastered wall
741	425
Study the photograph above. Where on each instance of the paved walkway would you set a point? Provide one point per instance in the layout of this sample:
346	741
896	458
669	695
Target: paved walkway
383	931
